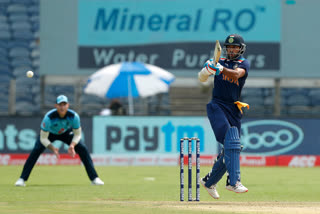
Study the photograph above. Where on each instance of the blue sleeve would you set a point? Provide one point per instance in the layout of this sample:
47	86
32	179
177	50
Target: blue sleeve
245	65
76	121
45	124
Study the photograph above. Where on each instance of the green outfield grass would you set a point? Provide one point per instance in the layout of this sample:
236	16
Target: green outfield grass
67	189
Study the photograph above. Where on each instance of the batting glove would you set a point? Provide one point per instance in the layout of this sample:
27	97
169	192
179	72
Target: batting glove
211	69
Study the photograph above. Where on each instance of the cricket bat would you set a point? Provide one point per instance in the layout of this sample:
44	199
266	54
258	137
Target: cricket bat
216	53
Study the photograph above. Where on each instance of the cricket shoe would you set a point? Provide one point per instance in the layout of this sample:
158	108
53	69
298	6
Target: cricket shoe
238	188
211	190
20	183
97	181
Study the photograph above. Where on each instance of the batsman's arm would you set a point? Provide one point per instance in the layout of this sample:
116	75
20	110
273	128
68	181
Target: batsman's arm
234	74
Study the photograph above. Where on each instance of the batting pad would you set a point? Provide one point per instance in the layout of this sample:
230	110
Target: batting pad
218	170
232	149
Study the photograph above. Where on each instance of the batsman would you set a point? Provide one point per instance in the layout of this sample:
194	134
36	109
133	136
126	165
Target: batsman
225	112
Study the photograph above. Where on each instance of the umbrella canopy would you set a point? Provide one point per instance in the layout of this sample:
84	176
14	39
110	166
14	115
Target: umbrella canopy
129	79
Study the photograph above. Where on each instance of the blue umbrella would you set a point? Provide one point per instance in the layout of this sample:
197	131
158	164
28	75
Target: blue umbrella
129	79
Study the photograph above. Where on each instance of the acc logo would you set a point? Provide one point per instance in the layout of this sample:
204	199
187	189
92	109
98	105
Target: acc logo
270	137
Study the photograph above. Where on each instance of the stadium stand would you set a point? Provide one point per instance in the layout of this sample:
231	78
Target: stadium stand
20	51
19	32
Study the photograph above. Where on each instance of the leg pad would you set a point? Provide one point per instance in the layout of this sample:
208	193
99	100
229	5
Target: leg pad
232	149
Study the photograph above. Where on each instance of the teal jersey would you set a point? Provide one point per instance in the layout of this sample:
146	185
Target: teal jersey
54	124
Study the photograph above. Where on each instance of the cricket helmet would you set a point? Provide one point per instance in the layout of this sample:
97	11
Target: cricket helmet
237	40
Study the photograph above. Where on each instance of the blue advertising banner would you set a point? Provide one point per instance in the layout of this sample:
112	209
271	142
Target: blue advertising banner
130	22
150	135
281	137
161	135
19	134
176	35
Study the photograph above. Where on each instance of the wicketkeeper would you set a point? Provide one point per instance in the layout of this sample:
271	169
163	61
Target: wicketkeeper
225	113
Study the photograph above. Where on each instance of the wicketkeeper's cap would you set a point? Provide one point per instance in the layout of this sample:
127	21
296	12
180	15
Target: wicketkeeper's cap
62	98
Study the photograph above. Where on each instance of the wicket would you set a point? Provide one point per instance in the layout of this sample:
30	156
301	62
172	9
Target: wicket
190	168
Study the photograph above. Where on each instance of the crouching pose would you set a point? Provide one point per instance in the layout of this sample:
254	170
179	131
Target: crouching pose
225	112
61	124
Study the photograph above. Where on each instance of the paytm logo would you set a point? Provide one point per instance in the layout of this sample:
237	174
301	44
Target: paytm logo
147	135
270	137
182	131
147	138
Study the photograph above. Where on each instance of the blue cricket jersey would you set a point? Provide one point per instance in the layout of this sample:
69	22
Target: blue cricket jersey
222	112
226	89
54	124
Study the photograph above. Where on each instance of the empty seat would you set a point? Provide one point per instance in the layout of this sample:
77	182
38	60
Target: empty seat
314	95
286	92
92	99
294	96
4	104
20	62
36	63
22	35
5	68
3	19
5	35
5	2
35	53
56	90
33	9
50	89
24	89
50	99
3	9
4	63
269	101
253	92
14	18
34	18
298	100
5	77
17	9
3	44
254	100
299	110
21	26
60	89
3	52
25	94
17	43
25	2
19	52
35	26
24	107
315	110
21	71
4	26
34	44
